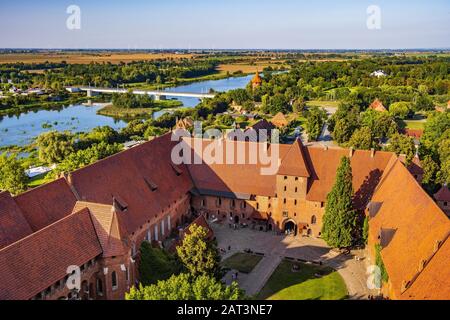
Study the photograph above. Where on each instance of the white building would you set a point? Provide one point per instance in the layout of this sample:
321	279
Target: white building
378	74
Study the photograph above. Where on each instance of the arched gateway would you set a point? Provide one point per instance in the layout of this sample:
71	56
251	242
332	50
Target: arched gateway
290	227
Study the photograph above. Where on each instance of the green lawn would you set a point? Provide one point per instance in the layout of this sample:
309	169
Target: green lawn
323	104
115	112
415	124
38	180
242	262
284	284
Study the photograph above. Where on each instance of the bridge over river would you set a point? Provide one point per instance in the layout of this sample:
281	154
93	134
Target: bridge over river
158	94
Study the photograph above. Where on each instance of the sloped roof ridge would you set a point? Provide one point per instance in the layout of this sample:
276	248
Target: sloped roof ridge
46	227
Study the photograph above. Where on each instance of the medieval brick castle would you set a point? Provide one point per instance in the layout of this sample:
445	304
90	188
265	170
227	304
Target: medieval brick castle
97	217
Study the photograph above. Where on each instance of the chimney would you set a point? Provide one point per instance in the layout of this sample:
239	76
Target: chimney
437	245
372	152
350	154
405	285
422	265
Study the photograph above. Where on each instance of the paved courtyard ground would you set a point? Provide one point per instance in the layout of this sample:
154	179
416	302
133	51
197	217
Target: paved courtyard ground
277	247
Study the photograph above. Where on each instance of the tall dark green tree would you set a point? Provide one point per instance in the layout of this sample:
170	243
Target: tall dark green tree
339	221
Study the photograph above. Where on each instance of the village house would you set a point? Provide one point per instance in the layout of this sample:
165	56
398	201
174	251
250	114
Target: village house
377	105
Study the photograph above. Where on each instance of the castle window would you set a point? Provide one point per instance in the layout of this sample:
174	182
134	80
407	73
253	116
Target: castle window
285	188
162	228
296	178
99	285
148	236
285	177
285	214
284	200
257	206
133	249
114	280
295	202
203	203
445	204
296	189
232	203
313	220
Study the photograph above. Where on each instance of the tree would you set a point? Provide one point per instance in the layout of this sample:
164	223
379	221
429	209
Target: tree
54	146
12	175
198	255
385	126
316	118
299	105
402	144
339	220
239	96
400	110
87	156
423	102
362	139
430	169
343	130
156	264
185	287
275	104
365	230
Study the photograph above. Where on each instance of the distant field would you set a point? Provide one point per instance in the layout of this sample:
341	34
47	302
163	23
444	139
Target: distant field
246	67
85	58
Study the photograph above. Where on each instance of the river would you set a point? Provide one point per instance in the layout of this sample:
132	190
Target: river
22	129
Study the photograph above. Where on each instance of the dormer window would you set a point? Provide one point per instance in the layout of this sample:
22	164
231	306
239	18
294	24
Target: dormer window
153	186
177	170
120	203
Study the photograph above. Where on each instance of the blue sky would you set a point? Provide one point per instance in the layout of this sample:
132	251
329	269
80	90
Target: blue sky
284	24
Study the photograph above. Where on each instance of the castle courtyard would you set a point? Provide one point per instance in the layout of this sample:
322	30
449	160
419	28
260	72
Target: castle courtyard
278	247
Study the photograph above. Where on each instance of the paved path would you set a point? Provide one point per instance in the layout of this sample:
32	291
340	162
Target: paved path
275	247
256	280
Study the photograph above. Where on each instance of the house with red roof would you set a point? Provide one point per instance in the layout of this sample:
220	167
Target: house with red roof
442	198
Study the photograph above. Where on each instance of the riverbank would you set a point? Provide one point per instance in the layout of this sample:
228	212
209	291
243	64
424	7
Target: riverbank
133	113
39	105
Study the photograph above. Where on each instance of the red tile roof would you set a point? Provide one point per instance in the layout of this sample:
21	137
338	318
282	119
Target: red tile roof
415	167
200	221
245	178
293	163
319	163
263	124
124	175
279	120
377	105
418	225
107	223
366	170
39	260
414	133
433	283
46	204
256	80
13	225
443	194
